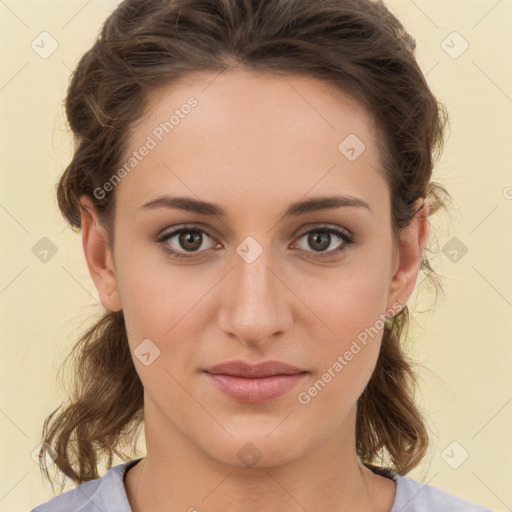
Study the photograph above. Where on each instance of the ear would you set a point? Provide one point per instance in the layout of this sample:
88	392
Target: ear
98	255
407	260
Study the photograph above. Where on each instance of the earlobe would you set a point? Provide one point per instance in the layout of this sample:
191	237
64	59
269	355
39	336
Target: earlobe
98	256
407	263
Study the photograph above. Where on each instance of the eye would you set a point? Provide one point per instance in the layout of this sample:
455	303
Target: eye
189	241
322	237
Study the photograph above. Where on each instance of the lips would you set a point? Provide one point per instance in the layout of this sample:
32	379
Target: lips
246	370
265	381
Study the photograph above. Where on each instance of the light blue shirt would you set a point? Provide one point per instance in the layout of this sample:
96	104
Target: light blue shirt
108	494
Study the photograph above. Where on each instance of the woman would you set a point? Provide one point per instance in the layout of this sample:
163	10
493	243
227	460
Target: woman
253	184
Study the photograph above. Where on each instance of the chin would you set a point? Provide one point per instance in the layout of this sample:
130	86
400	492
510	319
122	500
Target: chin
257	453
268	444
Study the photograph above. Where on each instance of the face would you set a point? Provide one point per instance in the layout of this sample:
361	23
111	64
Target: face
308	287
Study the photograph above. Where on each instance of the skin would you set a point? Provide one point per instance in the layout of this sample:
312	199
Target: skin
254	144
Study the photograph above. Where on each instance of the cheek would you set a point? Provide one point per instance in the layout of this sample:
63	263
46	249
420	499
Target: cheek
343	363
162	309
343	304
155	295
347	330
168	306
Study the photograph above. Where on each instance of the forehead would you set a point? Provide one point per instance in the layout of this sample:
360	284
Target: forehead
228	133
250	101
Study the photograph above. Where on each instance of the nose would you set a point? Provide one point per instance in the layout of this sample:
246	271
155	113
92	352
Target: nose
257	303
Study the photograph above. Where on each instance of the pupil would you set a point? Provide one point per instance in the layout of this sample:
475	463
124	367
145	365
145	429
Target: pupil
194	237
323	239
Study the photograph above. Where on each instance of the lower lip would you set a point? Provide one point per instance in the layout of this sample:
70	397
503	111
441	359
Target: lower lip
256	390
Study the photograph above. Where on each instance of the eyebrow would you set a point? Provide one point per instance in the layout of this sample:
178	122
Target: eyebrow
315	204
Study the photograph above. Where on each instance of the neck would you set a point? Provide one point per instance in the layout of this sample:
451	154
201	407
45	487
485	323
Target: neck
177	475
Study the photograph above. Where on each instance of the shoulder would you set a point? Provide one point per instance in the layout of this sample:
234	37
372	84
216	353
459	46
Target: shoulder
106	494
415	496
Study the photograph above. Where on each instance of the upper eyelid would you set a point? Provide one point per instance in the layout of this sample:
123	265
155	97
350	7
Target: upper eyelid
170	232
327	225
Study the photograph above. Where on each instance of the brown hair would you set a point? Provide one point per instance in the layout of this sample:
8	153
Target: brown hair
358	46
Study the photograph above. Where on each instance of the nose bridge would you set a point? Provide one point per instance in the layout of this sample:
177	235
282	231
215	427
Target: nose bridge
254	286
255	307
255	280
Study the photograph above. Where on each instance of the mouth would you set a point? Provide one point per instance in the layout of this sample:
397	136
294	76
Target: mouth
259	383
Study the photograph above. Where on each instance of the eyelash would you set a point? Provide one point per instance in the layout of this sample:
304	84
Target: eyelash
344	236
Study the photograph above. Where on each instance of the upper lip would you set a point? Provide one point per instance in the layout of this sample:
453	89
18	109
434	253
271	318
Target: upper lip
240	368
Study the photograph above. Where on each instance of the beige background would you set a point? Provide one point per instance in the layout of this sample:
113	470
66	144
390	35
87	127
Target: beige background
464	343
